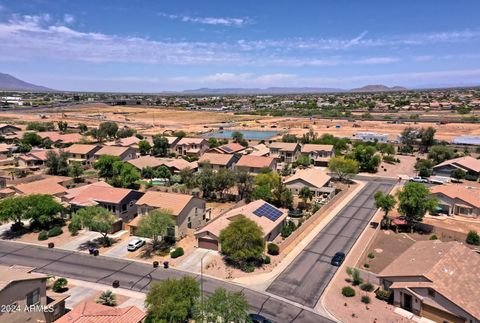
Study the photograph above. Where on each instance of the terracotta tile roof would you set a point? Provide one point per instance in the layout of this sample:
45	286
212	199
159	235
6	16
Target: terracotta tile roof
313	176
162	200
82	149
255	161
468	194
37	154
284	146
217	225
216	159
6	147
259	150
466	162
148	161
97	192
11	274
127	141
231	148
49	185
190	141
111	150
181	163
65	138
451	267
89	312
308	148
73	192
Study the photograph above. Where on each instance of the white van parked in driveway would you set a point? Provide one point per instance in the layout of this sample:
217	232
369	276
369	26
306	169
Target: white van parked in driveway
135	244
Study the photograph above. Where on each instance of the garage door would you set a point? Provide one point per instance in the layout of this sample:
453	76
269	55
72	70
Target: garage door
207	243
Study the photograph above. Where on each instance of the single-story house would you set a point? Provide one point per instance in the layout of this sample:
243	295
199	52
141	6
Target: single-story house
320	154
436	280
124	153
119	201
82	153
254	164
34	159
191	146
61	138
22	287
124	142
52	185
230	148
92	312
267	216
315	179
147	161
189	212
6	149
217	161
8	129
457	199
468	164
287	152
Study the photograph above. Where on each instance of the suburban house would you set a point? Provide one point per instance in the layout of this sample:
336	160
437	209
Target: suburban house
287	152
320	154
90	312
21	287
231	148
254	164
124	142
34	159
61	138
371	137
124	153
6	149
189	212
52	185
436	280
468	164
457	199
6	129
119	201
316	180
258	150
267	216
191	146
217	161
82	153
175	165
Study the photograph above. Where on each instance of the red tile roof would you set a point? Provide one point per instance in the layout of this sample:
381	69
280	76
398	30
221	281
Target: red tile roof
255	161
89	312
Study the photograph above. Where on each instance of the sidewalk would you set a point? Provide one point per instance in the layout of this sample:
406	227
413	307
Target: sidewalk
262	281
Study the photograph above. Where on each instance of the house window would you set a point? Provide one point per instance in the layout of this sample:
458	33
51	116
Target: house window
124	207
114	208
33	297
431	292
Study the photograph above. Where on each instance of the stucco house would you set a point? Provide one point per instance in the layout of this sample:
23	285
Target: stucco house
316	180
458	200
188	211
320	154
82	153
124	153
468	164
191	146
436	280
217	161
255	164
285	151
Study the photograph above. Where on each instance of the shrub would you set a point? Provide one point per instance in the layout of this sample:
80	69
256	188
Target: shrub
434	237
267	260
73	228
177	253
273	249
371	255
382	294
59	285
355	274
107	298
389	159
248	268
366	287
366	299
348	291
55	231
288	229
366	265
473	238
43	235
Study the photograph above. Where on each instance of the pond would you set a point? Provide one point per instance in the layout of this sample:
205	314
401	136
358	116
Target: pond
247	134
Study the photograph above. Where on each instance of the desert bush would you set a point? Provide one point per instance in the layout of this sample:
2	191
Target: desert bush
273	249
366	287
366	299
43	235
267	260
348	291
59	285
177	253
55	231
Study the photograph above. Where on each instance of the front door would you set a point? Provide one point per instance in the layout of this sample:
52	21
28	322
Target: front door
407	302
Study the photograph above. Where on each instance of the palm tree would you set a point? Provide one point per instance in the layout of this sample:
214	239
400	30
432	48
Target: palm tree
107	298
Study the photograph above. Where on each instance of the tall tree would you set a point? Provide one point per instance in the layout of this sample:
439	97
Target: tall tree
57	163
62	126
75	171
32	139
104	165
342	167
223	306
427	137
124	175
223	180
440	153
160	146
96	218
305	194
188	178
144	147
415	201
172	300
108	129
155	225
408	136
14	209
242	240
244	184
368	160
386	202
205	182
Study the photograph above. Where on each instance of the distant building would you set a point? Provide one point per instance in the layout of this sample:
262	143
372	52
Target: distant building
458	199
371	136
466	140
191	146
436	280
468	164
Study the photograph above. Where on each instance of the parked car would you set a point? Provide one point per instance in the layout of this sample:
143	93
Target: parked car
338	259
257	318
435	181
135	244
418	179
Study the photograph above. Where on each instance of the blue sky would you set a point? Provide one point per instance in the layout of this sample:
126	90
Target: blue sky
153	46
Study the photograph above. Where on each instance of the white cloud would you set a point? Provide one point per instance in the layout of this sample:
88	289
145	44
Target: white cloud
68	19
222	21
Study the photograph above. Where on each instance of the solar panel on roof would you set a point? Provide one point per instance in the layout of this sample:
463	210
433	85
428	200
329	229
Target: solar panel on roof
227	149
268	211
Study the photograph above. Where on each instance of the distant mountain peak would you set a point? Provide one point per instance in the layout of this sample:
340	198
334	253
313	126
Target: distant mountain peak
378	88
10	83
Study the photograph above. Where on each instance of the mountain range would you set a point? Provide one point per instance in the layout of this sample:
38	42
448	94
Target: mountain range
10	83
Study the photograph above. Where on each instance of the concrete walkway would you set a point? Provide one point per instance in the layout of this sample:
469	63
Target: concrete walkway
192	262
84	237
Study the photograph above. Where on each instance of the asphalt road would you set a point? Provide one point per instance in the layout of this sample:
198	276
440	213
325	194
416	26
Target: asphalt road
138	276
305	279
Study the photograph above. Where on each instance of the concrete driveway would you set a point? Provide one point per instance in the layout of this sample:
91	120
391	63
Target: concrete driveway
193	261
83	237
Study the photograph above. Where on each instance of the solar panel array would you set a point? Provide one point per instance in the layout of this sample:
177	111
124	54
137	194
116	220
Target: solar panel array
227	149
268	211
